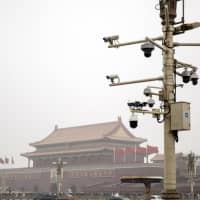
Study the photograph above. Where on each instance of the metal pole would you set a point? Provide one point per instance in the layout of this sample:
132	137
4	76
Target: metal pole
169	98
169	141
160	78
133	42
147	191
178	44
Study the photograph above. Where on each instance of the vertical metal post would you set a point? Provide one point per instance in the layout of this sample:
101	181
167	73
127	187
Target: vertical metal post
168	14
147	190
169	140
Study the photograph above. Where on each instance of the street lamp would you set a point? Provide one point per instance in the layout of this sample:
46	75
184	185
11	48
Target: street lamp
59	173
175	115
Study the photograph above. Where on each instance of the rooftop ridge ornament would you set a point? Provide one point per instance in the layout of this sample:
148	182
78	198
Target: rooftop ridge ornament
56	127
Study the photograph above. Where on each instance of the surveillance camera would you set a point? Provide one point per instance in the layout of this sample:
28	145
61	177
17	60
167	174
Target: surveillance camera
111	39
133	121
151	102
131	104
136	104
194	78
186	76
147	48
147	91
113	77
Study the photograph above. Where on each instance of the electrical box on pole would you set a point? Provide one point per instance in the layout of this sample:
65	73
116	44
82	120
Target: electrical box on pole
180	116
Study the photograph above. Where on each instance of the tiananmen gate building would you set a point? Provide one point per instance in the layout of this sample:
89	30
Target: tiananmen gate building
96	156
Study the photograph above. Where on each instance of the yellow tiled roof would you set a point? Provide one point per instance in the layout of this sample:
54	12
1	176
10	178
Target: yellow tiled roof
112	130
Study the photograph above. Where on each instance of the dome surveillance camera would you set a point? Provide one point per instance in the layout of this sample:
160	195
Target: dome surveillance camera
194	78
147	91
151	102
133	121
186	76
147	48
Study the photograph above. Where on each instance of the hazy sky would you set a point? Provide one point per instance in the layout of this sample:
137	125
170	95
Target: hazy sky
53	64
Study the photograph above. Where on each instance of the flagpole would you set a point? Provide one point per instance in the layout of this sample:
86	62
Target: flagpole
147	158
135	153
114	156
124	158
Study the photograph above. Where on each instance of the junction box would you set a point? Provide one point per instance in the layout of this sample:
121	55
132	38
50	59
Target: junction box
180	116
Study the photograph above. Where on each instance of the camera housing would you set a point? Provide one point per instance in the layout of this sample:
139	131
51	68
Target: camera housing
186	76
111	39
133	121
194	78
147	48
151	102
137	104
112	78
147	91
